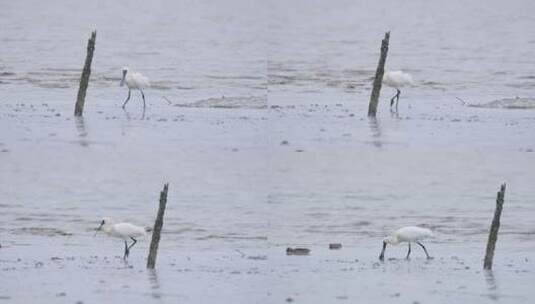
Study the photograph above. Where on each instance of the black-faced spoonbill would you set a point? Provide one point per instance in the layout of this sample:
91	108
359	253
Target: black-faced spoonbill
124	231
396	80
408	235
134	81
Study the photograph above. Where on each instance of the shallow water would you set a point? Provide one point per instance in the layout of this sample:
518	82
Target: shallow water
266	145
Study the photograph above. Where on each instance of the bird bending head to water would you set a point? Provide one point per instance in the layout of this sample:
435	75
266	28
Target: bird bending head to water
407	234
124	231
396	80
134	81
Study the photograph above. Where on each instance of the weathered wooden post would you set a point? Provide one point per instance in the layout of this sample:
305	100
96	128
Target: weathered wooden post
494	227
84	80
151	260
378	81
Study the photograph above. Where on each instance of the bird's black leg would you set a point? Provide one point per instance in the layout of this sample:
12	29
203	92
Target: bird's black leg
133	243
126	250
392	100
397	98
127	99
409	252
382	255
143	95
425	250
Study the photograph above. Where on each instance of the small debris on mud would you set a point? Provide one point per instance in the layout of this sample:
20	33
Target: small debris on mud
335	246
297	251
257	257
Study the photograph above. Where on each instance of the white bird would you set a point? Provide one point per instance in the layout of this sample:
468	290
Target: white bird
134	81
407	234
124	231
396	80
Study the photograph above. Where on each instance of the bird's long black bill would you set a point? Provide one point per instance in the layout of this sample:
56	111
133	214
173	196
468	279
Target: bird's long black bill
122	79
382	255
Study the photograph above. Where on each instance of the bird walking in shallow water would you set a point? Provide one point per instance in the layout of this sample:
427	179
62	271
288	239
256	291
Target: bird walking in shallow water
124	231
407	234
134	81
396	80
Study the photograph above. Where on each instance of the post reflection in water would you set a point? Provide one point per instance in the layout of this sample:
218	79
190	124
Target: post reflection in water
491	285
82	131
154	283
376	133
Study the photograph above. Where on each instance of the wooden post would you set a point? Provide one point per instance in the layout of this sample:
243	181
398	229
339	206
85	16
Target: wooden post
378	81
84	80
494	227
151	260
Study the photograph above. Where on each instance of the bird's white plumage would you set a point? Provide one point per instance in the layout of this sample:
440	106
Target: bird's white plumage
408	234
134	80
124	231
397	79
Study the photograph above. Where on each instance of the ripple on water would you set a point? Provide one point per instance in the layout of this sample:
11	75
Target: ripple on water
508	103
40	231
251	102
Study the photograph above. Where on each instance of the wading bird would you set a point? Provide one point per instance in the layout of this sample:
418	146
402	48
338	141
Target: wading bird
134	81
408	235
124	231
396	80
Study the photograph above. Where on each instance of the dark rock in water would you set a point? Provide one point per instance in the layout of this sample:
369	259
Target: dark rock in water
334	246
284	143
297	251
